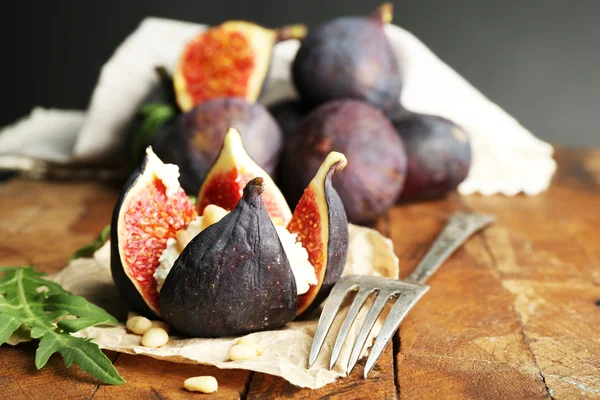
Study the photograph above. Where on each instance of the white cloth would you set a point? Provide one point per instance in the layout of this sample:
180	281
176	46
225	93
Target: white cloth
507	158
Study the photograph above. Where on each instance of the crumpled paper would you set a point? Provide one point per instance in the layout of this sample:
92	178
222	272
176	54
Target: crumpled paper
507	158
285	350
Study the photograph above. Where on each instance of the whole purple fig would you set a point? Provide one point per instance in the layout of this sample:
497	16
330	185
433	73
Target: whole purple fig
376	169
439	155
349	57
198	137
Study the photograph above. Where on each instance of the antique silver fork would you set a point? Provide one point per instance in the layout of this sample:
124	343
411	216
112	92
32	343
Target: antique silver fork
460	226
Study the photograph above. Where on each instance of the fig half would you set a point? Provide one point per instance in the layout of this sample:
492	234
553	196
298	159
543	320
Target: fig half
234	277
232	170
228	60
322	227
151	209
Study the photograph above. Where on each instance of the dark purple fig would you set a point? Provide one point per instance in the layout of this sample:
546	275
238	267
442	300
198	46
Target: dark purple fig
439	156
234	277
197	139
376	170
289	114
349	57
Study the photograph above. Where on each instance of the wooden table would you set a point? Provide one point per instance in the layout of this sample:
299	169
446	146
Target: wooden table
513	314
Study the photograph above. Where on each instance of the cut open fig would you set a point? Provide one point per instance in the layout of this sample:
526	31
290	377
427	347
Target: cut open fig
319	220
321	224
227	177
234	277
228	60
151	209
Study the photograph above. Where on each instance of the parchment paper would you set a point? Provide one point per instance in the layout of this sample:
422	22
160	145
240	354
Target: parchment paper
285	350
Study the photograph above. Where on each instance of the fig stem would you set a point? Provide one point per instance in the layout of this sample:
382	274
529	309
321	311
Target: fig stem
297	31
162	73
384	13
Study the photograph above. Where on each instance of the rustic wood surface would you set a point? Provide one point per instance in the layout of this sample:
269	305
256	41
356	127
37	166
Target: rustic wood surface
514	314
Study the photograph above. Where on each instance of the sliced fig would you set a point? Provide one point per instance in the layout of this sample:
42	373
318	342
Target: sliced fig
320	222
228	60
151	209
234	277
225	181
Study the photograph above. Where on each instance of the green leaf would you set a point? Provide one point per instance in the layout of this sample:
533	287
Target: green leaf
155	116
90	249
30	300
89	314
78	351
8	326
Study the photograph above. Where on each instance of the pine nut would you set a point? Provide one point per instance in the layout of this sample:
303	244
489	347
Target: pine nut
242	352
250	341
161	324
138	325
204	384
183	238
155	337
212	214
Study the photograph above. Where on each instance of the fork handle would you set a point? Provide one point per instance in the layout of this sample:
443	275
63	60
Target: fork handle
459	228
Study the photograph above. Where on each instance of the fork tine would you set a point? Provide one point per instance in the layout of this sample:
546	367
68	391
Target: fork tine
336	297
370	320
357	304
402	306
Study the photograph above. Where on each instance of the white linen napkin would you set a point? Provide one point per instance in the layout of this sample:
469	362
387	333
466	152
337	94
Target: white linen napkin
507	158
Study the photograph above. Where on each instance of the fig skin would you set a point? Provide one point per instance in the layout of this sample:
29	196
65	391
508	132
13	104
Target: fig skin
375	174
289	114
196	141
349	57
439	156
233	278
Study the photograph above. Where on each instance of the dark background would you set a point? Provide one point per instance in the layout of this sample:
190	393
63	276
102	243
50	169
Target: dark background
538	59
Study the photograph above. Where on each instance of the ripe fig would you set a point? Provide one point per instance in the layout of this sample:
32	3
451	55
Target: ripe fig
439	156
349	57
320	222
289	114
228	60
195	142
234	277
151	209
225	181
374	178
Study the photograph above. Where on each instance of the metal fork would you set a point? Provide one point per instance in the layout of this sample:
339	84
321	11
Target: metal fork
459	228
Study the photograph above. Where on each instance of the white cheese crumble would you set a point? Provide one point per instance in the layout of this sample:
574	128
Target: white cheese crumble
169	174
304	272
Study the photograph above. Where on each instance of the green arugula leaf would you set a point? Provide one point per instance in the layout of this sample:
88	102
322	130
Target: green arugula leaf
90	249
27	299
155	115
8	326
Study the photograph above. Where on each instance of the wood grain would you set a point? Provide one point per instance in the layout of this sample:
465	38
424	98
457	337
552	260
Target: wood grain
513	314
